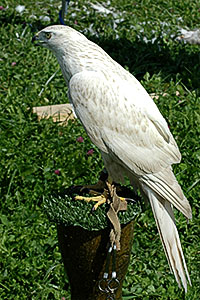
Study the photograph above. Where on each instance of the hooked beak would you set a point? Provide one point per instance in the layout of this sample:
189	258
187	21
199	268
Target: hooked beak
35	38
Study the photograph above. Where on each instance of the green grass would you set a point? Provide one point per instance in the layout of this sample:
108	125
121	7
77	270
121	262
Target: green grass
31	151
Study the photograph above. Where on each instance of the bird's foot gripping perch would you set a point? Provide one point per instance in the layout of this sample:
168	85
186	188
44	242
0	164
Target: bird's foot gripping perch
100	199
103	191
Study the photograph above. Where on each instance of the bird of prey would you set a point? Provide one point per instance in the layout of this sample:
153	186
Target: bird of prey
125	124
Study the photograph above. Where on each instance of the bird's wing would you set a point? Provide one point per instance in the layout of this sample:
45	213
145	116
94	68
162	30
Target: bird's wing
121	119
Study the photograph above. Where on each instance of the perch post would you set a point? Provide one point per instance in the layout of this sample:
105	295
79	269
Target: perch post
84	257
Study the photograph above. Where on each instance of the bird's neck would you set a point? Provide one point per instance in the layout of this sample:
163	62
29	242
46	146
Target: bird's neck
67	66
73	60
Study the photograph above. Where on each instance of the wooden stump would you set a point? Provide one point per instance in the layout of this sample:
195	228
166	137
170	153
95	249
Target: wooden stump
84	255
60	113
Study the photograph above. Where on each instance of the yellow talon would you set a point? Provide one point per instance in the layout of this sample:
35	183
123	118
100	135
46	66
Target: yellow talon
122	199
100	202
99	199
88	199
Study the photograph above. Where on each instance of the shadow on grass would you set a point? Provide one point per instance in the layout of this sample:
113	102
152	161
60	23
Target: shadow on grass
141	57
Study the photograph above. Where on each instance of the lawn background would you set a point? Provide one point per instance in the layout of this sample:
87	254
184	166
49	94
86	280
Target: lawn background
141	36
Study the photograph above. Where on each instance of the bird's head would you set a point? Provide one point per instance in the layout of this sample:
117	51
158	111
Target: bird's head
66	43
57	36
73	50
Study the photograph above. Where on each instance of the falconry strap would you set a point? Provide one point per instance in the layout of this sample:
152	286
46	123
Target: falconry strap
116	205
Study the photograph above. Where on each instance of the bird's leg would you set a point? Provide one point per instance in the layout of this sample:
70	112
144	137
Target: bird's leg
96	189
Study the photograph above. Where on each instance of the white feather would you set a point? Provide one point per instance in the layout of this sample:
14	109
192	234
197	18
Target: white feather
164	217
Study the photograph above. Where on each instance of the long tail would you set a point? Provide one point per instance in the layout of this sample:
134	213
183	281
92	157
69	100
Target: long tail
165	221
165	185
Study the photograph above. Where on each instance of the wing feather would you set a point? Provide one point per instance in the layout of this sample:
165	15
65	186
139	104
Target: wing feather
122	119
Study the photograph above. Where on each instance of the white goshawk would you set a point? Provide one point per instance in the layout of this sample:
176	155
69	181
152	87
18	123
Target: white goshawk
122	120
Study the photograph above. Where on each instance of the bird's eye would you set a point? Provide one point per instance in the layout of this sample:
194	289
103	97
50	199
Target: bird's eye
48	35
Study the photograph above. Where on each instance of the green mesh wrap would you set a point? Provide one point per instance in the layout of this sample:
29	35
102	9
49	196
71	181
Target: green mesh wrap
63	209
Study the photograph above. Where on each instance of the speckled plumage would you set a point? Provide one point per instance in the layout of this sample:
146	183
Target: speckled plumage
122	120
